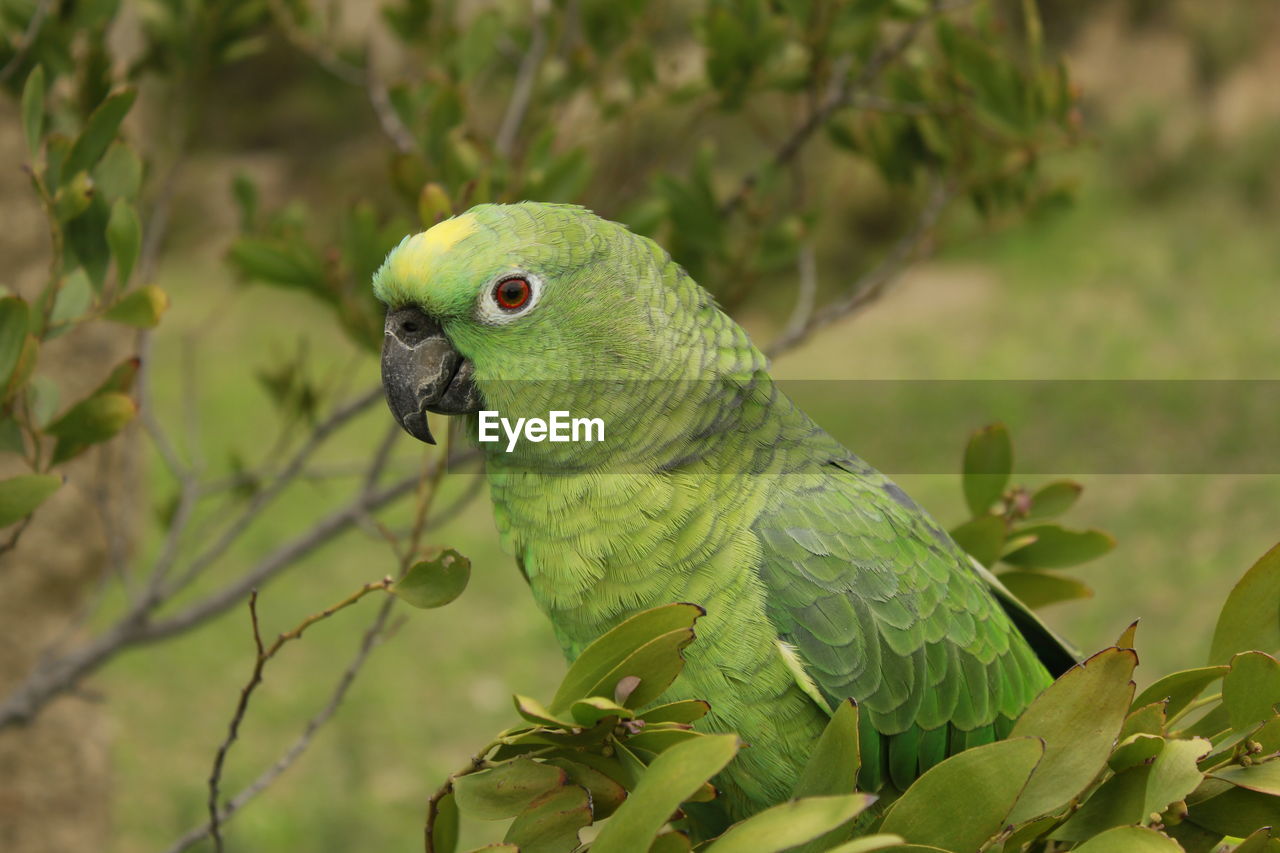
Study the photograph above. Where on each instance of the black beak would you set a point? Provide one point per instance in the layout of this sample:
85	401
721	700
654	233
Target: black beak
422	372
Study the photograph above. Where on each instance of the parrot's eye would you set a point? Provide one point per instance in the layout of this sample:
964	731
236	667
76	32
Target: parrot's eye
512	294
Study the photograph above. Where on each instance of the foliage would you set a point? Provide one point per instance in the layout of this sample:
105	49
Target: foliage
1089	766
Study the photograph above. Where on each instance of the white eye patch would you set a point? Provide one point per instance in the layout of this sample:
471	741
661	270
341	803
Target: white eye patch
508	297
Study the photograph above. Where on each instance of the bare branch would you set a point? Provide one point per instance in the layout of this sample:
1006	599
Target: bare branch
372	637
34	23
136	627
526	77
873	284
807	294
388	119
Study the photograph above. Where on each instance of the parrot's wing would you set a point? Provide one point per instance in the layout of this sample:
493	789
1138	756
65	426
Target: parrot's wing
882	606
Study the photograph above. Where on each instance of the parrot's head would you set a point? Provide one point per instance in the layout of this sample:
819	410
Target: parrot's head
526	308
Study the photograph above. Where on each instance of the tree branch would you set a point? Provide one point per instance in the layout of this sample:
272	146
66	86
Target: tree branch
526	77
876	281
34	23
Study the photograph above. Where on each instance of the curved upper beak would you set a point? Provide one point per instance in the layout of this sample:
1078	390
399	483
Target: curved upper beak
422	372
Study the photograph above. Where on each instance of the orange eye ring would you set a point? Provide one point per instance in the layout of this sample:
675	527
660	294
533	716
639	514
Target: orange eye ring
512	294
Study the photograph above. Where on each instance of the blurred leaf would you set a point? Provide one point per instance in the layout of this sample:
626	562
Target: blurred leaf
1263	778
433	204
609	650
1261	841
1056	547
124	236
1130	839
444	832
1040	589
118	175
33	109
141	308
1251	689
550	824
606	793
91	421
1251	617
685	711
833	764
1180	688
287	264
74	298
99	132
988	462
958	804
503	791
1079	717
982	538
791	823
11	438
86	240
121	377
1054	499
673	777
21	371
73	197
435	582
14	318
19	496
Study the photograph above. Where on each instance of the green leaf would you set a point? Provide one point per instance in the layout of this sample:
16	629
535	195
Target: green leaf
118	175
1261	841
661	737
14	318
612	648
11	438
1237	811
433	204
1135	750
74	298
959	804
245	192
686	711
533	711
73	197
33	109
589	711
1040	589
1147	719
606	793
1263	778
550	824
671	842
21	371
503	791
833	764
91	421
871	843
655	664
791	823
1056	547
1079	717
1180	688
1054	499
435	582
99	131
982	538
19	496
1130	839
988	462
291	264
1174	773
1251	689
124	237
141	308
674	776
1251	617
444	832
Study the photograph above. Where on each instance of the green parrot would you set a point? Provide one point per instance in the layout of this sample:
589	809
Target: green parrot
821	579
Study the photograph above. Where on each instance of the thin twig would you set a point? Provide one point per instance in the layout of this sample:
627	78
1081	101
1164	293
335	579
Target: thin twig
526	77
34	23
806	293
246	692
373	636
388	119
873	284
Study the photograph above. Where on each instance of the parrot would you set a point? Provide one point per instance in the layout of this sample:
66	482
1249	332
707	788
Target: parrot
821	580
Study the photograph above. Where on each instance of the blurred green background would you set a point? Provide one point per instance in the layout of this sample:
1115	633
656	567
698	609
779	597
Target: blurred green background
1166	266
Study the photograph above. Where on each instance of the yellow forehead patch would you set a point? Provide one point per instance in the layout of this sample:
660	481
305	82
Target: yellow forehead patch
421	249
